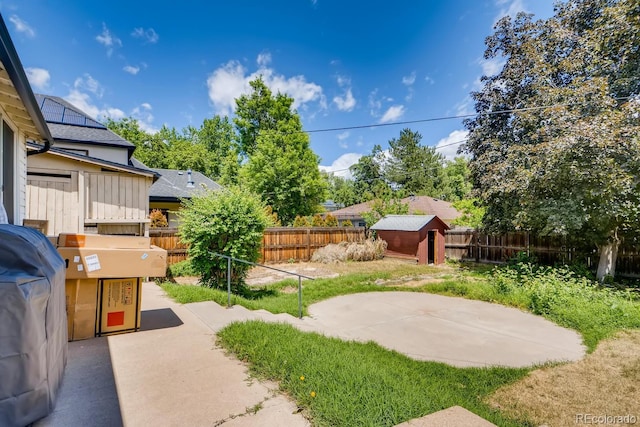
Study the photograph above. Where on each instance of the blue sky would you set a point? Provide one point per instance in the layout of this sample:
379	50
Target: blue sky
346	63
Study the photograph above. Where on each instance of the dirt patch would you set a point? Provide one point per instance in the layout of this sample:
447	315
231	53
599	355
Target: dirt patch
605	383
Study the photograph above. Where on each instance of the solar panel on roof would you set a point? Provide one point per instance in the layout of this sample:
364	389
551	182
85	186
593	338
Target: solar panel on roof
56	112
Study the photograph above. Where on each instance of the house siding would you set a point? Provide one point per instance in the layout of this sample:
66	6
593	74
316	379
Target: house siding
21	178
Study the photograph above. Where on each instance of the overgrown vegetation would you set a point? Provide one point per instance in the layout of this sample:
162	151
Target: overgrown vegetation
353	384
229	222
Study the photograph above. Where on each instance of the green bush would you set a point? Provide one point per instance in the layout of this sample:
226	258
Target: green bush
182	269
330	220
230	222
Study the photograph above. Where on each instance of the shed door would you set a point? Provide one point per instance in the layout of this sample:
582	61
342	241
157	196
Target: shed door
431	247
7	171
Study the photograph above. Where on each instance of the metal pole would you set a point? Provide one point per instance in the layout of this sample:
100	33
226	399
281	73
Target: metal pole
228	282
300	297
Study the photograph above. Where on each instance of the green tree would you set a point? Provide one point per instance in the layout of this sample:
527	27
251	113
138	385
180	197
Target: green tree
472	213
217	135
258	112
570	167
456	181
368	175
229	222
415	168
281	166
342	190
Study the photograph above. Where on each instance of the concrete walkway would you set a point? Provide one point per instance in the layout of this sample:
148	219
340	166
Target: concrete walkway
172	374
169	374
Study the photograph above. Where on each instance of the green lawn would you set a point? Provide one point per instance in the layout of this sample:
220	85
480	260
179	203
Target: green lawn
352	384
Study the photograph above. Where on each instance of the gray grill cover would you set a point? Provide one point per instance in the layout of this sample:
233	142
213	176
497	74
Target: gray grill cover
33	325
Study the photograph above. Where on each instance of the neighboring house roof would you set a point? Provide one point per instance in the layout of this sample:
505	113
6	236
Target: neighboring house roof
100	162
18	98
173	185
68	123
405	222
417	204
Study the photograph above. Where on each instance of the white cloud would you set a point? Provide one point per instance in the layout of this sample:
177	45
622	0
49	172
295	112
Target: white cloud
142	114
38	77
87	82
21	26
108	40
344	135
231	80
429	80
410	79
509	7
346	102
81	97
392	114
149	35
264	59
131	69
448	146
491	67
340	166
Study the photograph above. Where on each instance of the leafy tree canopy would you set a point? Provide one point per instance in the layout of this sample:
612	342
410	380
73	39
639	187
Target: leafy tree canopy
565	158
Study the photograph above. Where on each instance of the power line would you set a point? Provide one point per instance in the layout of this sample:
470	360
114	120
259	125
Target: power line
459	116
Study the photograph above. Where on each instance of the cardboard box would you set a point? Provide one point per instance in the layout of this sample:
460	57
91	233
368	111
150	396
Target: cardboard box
70	240
119	306
82	308
83	263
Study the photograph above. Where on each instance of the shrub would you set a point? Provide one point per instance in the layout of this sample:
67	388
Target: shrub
347	223
230	222
330	221
301	221
317	221
158	219
183	268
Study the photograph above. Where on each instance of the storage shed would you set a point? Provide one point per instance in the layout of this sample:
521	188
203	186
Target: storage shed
419	237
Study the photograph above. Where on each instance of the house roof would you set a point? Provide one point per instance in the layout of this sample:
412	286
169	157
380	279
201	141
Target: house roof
417	205
68	123
172	185
16	94
404	222
96	161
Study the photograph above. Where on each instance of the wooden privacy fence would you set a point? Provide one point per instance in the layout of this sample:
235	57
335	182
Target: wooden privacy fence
282	244
279	244
473	246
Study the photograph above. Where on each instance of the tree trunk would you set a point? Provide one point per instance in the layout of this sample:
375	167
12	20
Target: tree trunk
607	263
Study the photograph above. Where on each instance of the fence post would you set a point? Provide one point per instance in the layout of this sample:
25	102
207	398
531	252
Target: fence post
308	244
229	282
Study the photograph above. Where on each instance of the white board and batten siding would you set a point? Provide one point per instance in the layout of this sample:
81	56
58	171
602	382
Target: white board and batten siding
80	201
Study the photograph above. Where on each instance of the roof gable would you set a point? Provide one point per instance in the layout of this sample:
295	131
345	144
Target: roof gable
424	205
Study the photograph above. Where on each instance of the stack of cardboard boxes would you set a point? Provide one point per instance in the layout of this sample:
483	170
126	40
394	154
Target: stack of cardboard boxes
104	279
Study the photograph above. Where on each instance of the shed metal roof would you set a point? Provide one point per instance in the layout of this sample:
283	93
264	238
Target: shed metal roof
403	222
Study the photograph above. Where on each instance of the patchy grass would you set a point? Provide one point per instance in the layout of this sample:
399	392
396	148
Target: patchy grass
605	382
342	383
